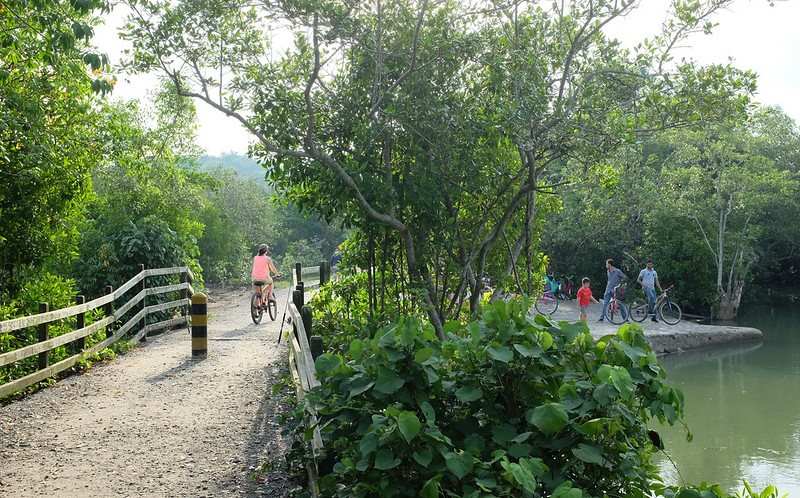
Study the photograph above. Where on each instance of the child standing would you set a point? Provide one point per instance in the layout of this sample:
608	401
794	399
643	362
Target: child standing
585	297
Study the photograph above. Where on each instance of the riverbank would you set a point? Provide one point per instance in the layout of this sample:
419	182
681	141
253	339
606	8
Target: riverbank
663	338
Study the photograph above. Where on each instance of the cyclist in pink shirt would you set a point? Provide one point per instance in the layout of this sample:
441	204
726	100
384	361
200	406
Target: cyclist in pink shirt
262	266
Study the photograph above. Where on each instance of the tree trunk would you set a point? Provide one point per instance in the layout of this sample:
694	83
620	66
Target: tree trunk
728	305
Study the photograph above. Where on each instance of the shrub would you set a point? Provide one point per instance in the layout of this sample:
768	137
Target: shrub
58	292
507	407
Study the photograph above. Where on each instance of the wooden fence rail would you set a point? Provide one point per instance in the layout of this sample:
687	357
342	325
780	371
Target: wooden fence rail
45	345
301	356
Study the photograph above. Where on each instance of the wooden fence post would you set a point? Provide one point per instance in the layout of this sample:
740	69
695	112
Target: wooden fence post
44	334
298	273
108	309
323	273
305	314
144	304
80	322
184	292
297	297
315	343
199	324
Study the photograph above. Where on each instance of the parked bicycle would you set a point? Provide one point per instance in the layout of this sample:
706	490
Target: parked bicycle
617	312
259	304
547	303
566	288
669	311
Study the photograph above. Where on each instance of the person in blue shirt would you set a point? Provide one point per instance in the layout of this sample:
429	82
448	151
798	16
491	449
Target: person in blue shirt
615	277
648	279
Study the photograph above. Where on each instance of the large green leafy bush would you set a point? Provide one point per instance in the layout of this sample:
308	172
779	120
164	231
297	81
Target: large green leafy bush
508	406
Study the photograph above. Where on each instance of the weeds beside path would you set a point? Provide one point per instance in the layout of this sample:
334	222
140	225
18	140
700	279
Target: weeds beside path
154	422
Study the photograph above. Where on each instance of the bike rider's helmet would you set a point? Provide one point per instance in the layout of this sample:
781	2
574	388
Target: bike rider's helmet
263	249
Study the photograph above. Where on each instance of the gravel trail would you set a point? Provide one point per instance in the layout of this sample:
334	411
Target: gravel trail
155	422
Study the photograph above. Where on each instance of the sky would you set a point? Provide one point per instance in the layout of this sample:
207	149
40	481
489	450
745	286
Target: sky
752	34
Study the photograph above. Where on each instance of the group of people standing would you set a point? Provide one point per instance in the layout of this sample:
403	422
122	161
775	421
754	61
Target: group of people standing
648	279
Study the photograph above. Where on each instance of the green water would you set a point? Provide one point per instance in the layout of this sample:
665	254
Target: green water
743	407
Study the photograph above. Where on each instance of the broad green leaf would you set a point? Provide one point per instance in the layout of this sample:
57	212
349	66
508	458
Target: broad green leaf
428	412
424	456
523	477
356	349
469	393
589	453
528	352
573	330
460	464
385	460
520	450
409	425
689	493
503	433
545	340
486	483
522	437
622	381
388	381
502	353
565	490
431	487
326	363
535	465
423	355
631	352
474	443
548	418
594	426
360	385
368	444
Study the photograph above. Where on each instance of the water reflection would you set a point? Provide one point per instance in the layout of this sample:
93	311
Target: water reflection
743	406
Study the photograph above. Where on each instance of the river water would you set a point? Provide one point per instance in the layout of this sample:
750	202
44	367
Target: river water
743	407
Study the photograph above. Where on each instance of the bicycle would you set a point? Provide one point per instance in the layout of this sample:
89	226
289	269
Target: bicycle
617	312
547	303
669	311
257	304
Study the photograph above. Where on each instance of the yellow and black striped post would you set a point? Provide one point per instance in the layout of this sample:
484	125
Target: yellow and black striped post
199	324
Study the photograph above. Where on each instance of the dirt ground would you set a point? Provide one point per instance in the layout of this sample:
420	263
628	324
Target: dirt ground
155	422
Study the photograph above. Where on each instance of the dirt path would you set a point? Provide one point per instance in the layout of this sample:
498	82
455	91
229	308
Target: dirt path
154	422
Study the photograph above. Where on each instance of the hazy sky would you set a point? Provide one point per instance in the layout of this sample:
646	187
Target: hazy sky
753	34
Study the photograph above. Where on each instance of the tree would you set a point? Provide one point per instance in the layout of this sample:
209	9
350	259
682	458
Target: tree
147	196
440	123
47	138
726	190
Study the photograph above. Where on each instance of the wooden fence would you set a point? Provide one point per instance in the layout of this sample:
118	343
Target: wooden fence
137	324
303	350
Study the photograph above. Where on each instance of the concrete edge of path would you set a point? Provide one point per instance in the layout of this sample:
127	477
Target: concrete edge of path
667	339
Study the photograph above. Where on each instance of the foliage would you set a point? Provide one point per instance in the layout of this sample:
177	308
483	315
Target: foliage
711	204
438	126
342	313
506	407
240	213
145	209
244	166
47	135
57	292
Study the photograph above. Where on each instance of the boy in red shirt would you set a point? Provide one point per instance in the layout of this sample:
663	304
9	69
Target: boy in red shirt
585	297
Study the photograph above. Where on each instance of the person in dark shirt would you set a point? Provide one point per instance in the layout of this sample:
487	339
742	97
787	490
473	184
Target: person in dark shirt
615	277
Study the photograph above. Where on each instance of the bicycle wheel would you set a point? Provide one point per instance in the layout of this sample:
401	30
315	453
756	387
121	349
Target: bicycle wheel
272	307
670	312
256	312
546	304
617	312
639	310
